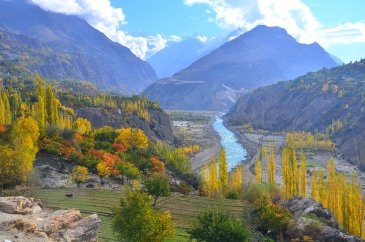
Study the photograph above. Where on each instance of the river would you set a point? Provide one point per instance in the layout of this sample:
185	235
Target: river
234	150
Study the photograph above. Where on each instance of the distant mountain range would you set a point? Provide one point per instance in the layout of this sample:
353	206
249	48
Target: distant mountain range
316	101
60	46
262	56
177	56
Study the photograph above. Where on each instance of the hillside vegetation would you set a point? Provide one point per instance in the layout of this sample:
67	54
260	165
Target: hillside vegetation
329	101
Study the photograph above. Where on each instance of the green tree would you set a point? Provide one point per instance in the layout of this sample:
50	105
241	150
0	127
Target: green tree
136	221
158	186
216	226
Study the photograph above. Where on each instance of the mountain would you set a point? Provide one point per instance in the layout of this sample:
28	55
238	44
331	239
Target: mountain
262	56
60	46
179	55
176	56
330	100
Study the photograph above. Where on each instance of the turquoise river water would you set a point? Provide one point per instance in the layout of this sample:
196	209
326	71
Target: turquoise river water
234	150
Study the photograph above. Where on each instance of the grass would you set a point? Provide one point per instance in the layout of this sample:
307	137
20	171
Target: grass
184	208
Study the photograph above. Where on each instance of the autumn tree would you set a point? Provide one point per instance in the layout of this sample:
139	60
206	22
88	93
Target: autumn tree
258	170
128	170
213	178
136	220
79	175
303	175
132	138
223	172
271	165
82	125
103	170
158	186
157	165
8	169
263	152
237	179
25	137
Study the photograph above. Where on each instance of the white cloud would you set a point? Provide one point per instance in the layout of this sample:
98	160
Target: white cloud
293	15
107	19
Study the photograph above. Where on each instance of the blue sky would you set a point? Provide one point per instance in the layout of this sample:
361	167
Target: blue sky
148	26
173	17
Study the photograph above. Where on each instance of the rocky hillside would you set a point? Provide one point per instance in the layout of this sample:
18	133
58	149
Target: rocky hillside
330	100
24	219
262	56
159	126
59	46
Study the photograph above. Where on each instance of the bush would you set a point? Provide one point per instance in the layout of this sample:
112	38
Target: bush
233	195
101	145
158	186
272	217
90	162
86	145
184	188
216	226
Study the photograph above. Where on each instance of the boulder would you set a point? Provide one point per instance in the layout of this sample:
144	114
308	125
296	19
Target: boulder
311	219
23	219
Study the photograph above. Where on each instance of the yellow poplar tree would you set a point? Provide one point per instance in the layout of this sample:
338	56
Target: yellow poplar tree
303	175
25	144
223	172
213	179
271	165
258	170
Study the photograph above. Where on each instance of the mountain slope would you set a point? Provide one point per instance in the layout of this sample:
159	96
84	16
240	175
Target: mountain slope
262	56
77	50
320	101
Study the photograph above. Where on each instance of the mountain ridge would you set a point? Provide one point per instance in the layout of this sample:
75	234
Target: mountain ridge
84	53
244	63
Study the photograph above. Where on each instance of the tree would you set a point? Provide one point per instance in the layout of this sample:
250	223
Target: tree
132	138
271	165
236	181
82	125
215	226
258	170
158	186
136	221
303	175
25	137
157	165
223	172
127	169
263	152
7	166
213	179
103	170
79	175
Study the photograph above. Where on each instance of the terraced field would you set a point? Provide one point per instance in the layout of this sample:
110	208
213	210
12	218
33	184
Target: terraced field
184	208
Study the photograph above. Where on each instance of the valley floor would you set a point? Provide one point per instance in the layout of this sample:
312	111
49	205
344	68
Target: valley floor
316	159
184	208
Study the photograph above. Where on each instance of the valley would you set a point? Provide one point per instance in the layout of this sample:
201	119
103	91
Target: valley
165	125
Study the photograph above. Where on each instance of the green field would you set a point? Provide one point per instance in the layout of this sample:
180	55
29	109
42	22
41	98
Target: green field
184	208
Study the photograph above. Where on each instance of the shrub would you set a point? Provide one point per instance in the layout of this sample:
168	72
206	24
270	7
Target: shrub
215	226
232	195
184	188
135	220
158	186
86	145
101	145
90	162
272	217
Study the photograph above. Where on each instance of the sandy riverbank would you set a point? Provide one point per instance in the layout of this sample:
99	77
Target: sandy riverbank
315	159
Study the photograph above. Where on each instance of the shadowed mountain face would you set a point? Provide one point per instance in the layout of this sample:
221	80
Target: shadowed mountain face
262	56
313	102
69	49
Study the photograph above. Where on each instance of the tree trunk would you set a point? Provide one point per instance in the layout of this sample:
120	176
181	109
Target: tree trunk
78	185
154	204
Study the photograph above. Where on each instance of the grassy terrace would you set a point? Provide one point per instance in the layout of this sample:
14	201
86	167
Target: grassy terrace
184	208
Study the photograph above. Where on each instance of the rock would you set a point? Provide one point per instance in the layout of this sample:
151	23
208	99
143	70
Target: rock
311	219
23	219
18	205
